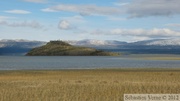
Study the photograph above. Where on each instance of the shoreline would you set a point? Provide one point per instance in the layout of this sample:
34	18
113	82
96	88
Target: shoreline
101	69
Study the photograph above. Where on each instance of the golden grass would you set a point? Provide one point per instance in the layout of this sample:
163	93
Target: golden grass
85	85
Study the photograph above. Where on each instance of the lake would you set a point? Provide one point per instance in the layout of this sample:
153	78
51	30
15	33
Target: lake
80	62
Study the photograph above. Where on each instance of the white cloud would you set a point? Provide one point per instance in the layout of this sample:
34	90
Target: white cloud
17	11
136	8
173	25
147	33
116	18
152	33
120	4
64	25
30	24
73	22
85	9
2	18
135	38
100	32
48	10
36	1
145	8
74	19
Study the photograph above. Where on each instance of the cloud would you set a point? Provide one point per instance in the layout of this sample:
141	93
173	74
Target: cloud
71	23
173	25
84	9
30	24
120	4
2	18
146	33
145	8
100	32
152	33
36	1
64	25
116	19
74	19
48	10
135	38
17	11
136	8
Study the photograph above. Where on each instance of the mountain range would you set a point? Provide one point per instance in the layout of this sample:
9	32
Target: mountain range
155	42
157	46
18	47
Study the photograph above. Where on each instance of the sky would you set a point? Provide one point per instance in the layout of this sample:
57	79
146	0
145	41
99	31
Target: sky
122	20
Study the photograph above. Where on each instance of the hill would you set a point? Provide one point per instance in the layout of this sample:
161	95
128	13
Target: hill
60	48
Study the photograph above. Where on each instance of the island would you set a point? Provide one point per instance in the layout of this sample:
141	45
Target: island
60	48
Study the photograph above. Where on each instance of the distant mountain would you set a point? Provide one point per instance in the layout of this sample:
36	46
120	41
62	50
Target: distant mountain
100	44
160	42
157	46
155	42
60	48
18	47
96	42
20	43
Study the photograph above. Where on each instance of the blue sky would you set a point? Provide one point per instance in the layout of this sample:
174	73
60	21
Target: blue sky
123	20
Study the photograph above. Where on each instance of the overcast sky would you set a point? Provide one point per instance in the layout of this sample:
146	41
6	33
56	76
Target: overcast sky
123	20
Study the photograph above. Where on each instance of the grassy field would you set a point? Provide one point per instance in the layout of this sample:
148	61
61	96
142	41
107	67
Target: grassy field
85	85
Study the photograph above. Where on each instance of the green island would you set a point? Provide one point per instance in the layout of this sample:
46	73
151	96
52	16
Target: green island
60	48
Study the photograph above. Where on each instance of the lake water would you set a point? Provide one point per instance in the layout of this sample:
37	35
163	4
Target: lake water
80	62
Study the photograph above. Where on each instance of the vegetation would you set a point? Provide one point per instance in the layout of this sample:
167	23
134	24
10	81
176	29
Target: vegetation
60	48
85	85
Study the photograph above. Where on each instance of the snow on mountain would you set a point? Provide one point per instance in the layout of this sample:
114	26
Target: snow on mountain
90	42
166	42
166	46
2	45
20	43
15	40
155	42
159	42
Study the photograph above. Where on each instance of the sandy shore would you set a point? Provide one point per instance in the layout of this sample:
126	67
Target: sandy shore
86	85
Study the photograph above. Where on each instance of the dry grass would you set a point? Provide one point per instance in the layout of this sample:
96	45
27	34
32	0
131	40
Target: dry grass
85	85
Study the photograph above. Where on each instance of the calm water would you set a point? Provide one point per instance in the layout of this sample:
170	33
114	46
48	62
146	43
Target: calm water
79	62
